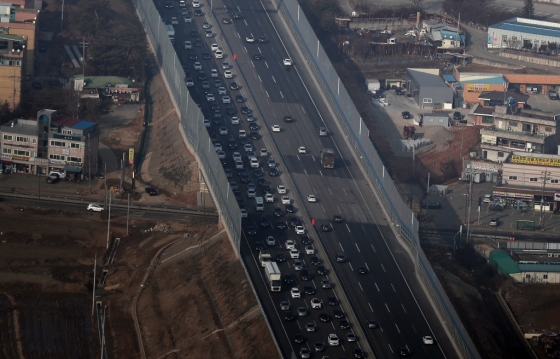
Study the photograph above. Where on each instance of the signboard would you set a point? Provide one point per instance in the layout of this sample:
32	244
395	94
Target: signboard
482	168
20	158
65	151
556	196
478	87
489	140
526	225
513	195
131	156
535	161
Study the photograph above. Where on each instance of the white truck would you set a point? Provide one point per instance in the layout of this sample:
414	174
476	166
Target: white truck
170	32
265	256
273	276
373	85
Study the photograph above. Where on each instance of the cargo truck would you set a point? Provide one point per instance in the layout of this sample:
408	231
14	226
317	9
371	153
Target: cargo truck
273	276
171	33
327	158
264	256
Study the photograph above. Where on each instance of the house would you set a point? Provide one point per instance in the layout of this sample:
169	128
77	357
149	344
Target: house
482	113
427	88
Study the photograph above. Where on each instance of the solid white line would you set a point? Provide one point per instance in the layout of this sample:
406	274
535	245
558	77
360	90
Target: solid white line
357	247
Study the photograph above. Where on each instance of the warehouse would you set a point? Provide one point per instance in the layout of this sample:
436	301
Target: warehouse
427	88
520	33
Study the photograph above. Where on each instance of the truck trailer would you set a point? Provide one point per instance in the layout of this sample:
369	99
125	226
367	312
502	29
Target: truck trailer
327	158
171	33
273	276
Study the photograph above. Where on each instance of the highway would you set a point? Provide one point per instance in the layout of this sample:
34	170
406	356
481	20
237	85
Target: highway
274	91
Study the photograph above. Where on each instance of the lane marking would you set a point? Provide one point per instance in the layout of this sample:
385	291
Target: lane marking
273	79
348	228
357	247
393	288
321	173
267	94
372	247
386	306
259	78
370	308
367	267
323	208
340	244
281	94
331	194
360	286
403	308
397	328
313	158
377	287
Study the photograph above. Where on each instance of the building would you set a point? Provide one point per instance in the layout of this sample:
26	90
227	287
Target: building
51	142
513	130
441	36
12	67
482	113
118	89
436	119
474	83
24	23
520	33
427	88
532	84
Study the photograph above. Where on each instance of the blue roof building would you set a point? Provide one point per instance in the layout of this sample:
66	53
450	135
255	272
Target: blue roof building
518	33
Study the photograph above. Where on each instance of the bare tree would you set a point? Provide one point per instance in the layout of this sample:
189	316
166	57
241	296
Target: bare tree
417	2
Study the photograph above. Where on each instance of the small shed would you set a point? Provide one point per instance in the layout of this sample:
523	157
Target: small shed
436	119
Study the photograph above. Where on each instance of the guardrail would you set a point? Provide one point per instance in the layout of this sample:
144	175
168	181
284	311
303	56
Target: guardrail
348	118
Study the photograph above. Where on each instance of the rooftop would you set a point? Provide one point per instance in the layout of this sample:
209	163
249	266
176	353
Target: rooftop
539	267
426	79
499	95
105	81
529	26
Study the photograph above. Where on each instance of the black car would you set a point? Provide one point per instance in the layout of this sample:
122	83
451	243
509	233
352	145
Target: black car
325	227
254	135
281	225
251	230
37	85
151	191
168	5
258	173
206	56
264	222
457	116
323	317
198	12
259	246
232	143
319	346
290	208
305	240
340	257
406	115
288	316
344	324
404	352
361	269
273	172
245	110
244	177
280	258
294	221
304	273
333	301
338	314
309	289
288	119
236	15
253	126
198	42
215	107
260	182
288	279
194	33
337	218
358	353
230	110
257	56
431	205
261	39
372	324
278	212
193	57
315	260
322	270
226	21
239	99
298	338
233	85
266	188
201	75
398	91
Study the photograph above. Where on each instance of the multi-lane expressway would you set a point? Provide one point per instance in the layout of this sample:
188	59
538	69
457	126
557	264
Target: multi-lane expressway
274	91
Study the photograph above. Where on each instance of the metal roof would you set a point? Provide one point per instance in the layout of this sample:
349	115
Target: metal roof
449	78
539	267
528	26
426	79
481	78
505	264
82	125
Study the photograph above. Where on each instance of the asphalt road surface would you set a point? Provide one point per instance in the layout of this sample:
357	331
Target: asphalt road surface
274	91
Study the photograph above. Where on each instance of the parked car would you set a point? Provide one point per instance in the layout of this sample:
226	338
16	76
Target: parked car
151	191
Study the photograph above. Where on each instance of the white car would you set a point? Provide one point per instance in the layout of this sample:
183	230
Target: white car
333	340
309	249
174	20
218	146
301	150
243	213
275	128
228	74
281	189
214	47
251	193
316	303
234	121
189	82
295	292
206	122
197	66
226	99
300	230
196	3
428	340
222	90
236	156
248	147
288	62
294	253
250	38
270	241
219	54
285	200
214	73
223	131
239	165
242	134
210	97
187	18
290	244
269	198
221	155
264	152
92	207
311	198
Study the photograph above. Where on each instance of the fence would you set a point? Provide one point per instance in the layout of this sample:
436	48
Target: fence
192	128
357	134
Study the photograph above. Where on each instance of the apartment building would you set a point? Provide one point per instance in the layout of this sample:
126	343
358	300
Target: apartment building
12	67
51	142
515	130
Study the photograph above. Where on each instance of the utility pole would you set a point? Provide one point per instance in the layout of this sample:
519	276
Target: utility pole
127	212
15	90
469	207
89	161
62	16
428	195
544	178
94	285
109	222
